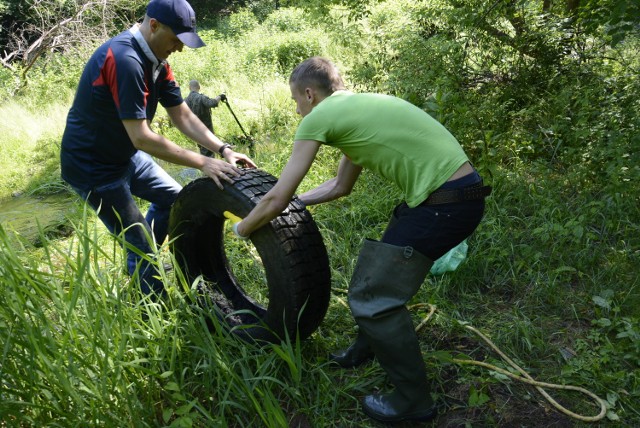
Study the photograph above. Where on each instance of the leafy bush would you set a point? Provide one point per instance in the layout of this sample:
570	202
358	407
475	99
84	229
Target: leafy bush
211	63
9	82
609	353
238	23
280	53
54	81
286	20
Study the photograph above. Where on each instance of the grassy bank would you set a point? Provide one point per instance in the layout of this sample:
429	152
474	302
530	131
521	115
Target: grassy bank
31	143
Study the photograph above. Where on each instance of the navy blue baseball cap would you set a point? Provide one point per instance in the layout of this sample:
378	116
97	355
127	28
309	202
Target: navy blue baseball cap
179	16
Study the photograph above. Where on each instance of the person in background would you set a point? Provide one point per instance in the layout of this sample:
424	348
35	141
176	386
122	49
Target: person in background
443	204
201	106
107	145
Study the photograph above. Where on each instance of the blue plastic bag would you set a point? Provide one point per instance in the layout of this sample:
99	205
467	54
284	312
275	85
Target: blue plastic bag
451	260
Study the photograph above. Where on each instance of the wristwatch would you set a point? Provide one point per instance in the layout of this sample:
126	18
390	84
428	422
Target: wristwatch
224	146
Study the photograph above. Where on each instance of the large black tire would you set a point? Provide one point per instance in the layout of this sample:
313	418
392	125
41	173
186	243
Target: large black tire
293	254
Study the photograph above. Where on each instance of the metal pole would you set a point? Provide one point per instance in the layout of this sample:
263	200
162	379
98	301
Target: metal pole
249	137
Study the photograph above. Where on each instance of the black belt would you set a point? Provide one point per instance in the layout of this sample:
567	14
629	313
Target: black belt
469	193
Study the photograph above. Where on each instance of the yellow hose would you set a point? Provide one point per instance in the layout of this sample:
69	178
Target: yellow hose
526	377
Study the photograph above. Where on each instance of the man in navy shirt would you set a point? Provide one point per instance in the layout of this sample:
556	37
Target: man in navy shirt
107	143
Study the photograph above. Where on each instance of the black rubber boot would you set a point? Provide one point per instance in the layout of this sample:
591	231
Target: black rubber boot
386	277
355	355
393	408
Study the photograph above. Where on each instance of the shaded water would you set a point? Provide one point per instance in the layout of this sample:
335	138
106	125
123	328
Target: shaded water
181	174
24	215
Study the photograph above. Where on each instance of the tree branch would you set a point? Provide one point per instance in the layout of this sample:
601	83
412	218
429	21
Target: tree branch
53	30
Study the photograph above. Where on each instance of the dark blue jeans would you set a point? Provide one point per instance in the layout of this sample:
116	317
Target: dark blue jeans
435	229
117	209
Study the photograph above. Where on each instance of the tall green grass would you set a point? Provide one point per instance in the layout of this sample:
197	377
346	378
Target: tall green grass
80	345
30	145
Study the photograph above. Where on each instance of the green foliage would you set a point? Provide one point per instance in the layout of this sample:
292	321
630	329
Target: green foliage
283	53
238	23
610	352
29	20
286	20
209	63
8	84
618	18
53	80
262	9
79	345
208	10
278	45
469	65
387	29
319	8
30	142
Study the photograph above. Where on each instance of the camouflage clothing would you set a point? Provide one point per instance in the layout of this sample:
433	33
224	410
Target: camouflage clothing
201	106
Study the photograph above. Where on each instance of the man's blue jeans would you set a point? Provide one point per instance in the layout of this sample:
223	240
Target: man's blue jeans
116	207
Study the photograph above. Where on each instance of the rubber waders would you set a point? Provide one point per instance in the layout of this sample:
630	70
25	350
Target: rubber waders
357	354
385	278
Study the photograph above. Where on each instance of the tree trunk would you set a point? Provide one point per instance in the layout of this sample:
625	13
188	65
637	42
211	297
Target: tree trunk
572	7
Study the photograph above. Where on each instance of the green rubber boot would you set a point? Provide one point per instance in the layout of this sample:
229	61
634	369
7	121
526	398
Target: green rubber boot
355	355
386	277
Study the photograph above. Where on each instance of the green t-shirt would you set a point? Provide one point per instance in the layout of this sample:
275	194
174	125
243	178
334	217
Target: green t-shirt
388	135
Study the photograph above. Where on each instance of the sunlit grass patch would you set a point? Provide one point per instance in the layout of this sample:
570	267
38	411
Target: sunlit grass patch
29	139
